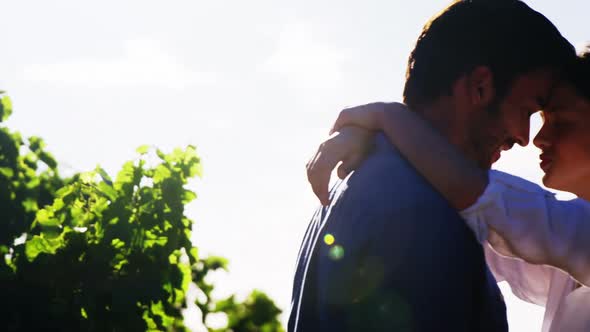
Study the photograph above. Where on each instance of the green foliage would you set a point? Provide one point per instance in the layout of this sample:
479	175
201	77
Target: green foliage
256	313
90	253
5	107
28	179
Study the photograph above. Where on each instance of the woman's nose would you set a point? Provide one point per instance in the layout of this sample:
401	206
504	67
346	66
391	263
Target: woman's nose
541	140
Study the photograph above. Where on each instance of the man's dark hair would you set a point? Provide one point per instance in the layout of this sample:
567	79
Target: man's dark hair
506	35
579	73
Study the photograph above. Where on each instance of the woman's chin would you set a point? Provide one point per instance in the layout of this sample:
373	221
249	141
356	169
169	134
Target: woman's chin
549	181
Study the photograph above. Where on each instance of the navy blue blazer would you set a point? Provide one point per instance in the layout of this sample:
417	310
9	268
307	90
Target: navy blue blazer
390	254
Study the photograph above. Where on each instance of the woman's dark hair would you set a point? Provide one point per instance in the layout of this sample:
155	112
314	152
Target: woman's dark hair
579	73
506	35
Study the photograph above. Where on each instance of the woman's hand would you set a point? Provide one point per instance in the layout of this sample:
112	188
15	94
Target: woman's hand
350	145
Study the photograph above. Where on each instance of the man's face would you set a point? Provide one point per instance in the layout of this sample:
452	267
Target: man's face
507	121
564	141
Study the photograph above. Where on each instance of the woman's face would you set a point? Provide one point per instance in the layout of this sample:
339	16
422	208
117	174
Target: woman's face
565	141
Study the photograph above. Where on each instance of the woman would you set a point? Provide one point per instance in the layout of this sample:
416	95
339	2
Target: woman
516	217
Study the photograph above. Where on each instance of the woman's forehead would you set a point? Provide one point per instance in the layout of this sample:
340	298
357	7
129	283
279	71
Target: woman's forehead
562	96
569	107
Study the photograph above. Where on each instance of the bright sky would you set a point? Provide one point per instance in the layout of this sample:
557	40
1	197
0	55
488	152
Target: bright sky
254	85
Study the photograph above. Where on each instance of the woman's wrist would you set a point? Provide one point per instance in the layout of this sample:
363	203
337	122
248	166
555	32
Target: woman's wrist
388	119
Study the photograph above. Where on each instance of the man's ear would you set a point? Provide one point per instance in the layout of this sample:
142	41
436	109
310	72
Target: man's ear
480	86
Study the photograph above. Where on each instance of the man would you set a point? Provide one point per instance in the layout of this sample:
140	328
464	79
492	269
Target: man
388	253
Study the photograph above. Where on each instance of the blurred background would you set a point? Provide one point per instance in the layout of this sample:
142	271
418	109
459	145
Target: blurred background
254	85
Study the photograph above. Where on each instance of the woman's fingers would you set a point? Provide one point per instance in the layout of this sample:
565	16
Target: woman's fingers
350	145
343	171
320	168
351	163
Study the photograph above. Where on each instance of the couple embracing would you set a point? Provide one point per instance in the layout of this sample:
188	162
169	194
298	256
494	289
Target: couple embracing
417	237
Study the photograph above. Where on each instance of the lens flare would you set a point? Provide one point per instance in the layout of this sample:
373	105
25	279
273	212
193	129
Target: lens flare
336	252
329	239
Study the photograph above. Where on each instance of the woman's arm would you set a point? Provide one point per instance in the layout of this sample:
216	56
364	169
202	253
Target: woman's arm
457	178
529	282
520	219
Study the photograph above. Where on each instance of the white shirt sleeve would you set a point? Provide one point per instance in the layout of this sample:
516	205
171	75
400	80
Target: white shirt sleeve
529	282
520	219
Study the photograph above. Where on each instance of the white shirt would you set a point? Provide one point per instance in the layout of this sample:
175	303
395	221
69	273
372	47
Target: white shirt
529	229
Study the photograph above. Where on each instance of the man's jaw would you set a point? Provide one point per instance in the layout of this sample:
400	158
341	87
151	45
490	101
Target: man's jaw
496	156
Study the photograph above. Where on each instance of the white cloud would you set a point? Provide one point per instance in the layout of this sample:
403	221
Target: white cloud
142	63
303	58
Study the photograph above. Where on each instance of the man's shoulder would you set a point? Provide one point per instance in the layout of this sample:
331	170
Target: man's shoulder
384	179
384	194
